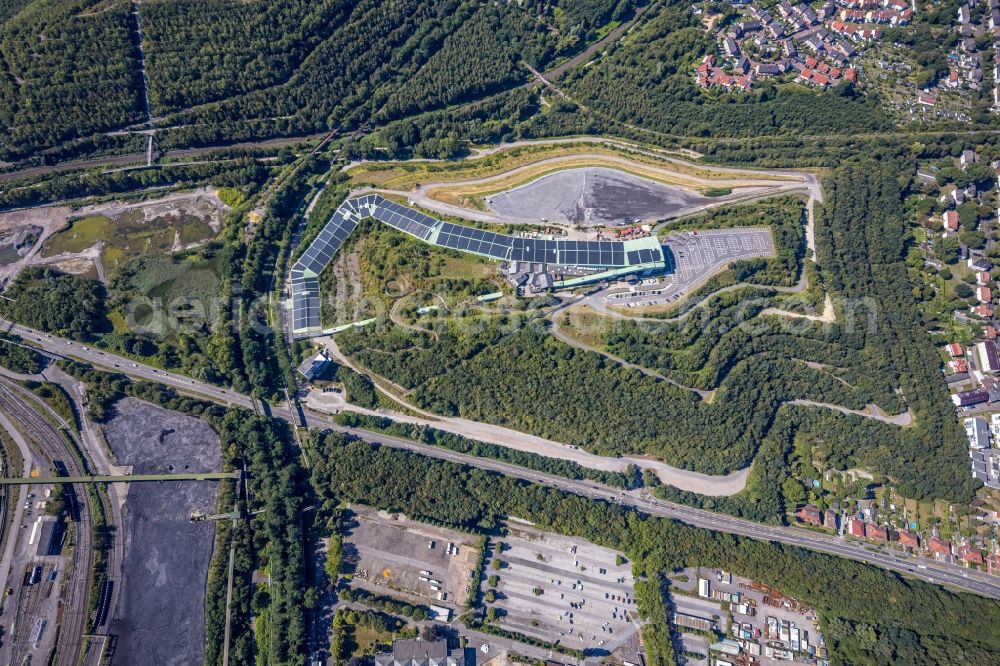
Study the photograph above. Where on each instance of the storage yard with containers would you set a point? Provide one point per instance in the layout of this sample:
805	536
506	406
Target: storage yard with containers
748	620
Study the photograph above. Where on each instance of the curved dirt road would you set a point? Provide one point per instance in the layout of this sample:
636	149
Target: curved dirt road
696	482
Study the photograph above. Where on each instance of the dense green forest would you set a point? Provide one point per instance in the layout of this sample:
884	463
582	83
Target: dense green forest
16	356
377	62
195	46
514	374
444	73
527	380
241	172
68	68
861	247
58	303
70	71
867	615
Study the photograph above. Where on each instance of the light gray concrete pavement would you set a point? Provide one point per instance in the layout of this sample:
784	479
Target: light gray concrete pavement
917	567
102	464
15	522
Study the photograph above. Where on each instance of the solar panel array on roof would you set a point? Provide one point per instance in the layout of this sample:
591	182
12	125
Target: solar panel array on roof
305	302
570	252
305	284
405	219
591	253
468	239
328	241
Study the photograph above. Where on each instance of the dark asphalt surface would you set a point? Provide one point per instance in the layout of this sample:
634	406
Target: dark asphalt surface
160	617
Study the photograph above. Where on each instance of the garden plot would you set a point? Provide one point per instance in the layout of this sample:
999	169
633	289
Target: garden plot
563	589
390	554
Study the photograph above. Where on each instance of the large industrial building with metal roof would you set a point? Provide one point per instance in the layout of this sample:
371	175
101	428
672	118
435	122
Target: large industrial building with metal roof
591	261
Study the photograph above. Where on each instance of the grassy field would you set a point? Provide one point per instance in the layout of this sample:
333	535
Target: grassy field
473	194
160	276
465	267
584	324
8	255
405	176
379	265
196	280
366	639
78	236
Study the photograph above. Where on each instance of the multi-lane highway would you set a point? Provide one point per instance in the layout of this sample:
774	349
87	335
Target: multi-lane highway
922	568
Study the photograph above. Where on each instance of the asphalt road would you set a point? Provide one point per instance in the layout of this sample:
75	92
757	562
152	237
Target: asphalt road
922	568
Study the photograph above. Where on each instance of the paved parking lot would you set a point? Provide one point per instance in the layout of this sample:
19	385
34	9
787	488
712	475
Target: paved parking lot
710	250
696	258
564	590
390	554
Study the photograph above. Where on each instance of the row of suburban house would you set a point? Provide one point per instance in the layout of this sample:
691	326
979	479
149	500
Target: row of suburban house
830	36
934	546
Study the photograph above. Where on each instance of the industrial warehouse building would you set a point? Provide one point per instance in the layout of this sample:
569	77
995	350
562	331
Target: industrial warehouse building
416	652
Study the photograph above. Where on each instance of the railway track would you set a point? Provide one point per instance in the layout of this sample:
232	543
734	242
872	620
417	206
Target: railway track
73	605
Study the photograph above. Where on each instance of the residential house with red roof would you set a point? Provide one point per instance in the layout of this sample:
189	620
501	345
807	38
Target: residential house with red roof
809	514
909	539
983	310
970	555
878	532
958	365
939	546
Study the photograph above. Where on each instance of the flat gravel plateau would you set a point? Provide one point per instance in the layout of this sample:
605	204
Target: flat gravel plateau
595	196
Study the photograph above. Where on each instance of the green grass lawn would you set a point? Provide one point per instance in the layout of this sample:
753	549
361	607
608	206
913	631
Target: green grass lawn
78	236
366	639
